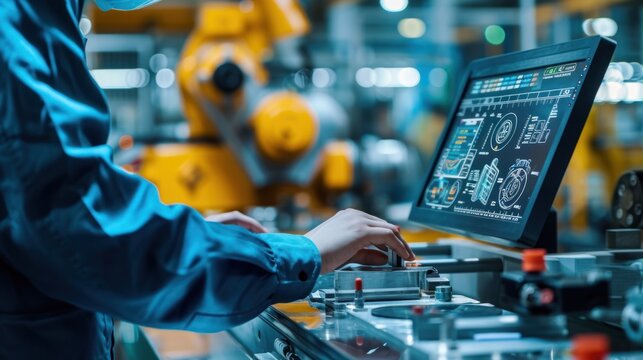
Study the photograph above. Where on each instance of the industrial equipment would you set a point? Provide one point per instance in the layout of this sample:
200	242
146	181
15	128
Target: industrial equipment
250	143
253	141
494	177
627	201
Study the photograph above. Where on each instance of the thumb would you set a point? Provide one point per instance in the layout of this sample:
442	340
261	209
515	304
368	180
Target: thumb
369	257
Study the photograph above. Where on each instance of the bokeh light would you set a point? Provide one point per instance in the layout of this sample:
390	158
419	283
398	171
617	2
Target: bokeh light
494	34
394	5
411	28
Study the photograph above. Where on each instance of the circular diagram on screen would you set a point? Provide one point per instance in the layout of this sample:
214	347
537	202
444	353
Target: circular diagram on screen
514	184
436	192
504	131
453	192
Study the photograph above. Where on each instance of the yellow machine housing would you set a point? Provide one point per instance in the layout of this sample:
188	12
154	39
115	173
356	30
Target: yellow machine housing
246	140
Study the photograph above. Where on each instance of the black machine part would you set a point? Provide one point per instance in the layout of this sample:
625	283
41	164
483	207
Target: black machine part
627	201
553	293
228	77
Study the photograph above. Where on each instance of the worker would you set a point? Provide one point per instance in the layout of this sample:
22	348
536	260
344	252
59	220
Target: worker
82	241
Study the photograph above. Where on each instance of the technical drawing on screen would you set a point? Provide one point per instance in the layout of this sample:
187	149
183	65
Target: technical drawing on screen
494	154
509	138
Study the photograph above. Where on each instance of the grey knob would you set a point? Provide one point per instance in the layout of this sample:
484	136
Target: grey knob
443	293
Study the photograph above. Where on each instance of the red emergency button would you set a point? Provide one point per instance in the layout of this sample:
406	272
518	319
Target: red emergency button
590	347
533	260
358	284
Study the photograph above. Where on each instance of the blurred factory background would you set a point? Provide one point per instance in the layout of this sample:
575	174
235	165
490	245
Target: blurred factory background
289	109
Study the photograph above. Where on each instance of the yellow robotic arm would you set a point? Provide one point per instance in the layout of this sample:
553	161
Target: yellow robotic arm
248	140
222	63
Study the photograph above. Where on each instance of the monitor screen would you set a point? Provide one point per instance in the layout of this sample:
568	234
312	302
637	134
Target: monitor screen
510	136
502	135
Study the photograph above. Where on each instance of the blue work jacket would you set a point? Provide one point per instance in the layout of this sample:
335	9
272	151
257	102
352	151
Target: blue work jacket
82	241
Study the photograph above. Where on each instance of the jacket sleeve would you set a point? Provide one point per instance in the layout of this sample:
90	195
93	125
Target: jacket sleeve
104	242
86	232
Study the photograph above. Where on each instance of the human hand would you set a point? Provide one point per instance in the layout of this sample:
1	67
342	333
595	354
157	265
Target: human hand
345	236
237	218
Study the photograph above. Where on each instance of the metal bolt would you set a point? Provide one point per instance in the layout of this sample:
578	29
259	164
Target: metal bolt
443	293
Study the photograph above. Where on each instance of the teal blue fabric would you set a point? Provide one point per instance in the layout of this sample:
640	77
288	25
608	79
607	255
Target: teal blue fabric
106	5
82	241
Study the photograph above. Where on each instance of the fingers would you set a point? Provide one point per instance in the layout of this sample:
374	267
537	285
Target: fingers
375	222
237	218
369	257
381	247
381	223
406	246
395	229
252	225
249	223
367	215
388	237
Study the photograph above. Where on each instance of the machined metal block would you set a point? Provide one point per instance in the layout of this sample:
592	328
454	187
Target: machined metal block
382	283
433	282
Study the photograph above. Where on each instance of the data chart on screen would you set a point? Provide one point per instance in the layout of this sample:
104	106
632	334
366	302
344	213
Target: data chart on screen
504	129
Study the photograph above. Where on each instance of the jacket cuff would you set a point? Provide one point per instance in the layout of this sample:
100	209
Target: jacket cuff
298	265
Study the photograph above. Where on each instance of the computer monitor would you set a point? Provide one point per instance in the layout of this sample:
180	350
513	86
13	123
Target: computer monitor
509	138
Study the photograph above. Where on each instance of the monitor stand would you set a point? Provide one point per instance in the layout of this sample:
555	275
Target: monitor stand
548	238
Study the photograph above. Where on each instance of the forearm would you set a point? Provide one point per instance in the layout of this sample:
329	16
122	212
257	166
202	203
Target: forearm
118	250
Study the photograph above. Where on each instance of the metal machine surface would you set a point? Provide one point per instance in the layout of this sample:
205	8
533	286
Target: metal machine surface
467	326
492	302
389	283
361	335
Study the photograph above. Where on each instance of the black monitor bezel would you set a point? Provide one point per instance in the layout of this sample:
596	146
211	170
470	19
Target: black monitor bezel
596	52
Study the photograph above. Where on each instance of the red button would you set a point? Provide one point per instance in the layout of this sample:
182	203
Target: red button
358	284
590	347
533	260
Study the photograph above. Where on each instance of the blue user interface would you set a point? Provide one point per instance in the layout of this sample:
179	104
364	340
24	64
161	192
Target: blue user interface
504	129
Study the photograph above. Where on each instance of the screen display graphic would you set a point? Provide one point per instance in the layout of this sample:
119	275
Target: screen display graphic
502	134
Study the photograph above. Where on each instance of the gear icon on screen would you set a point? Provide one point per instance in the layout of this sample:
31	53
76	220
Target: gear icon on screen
514	184
504	131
